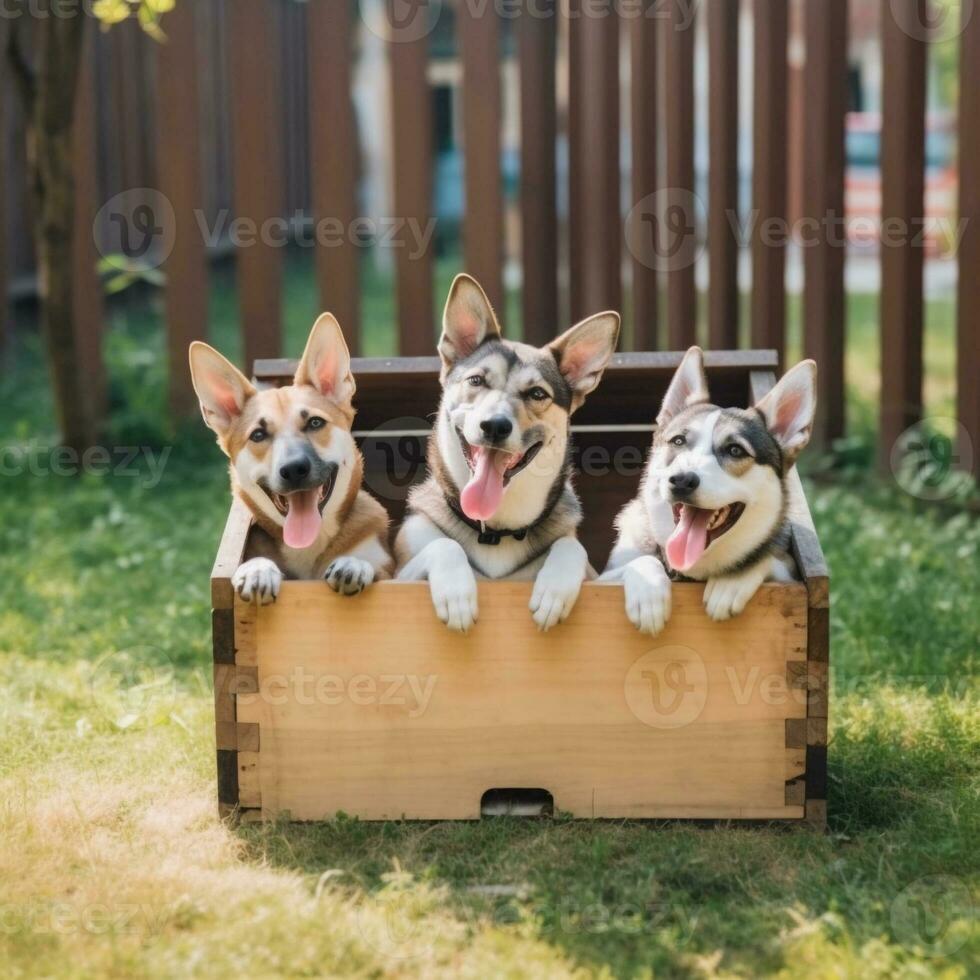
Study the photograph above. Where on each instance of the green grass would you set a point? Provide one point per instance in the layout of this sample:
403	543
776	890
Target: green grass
113	864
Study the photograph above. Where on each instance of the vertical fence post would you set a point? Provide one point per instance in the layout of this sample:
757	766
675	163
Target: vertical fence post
179	174
411	110
593	142
825	109
723	299
483	225
769	175
333	161
86	287
256	146
644	89
538	30
968	300
681	284
903	216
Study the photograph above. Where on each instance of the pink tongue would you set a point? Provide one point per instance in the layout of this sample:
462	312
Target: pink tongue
690	538
482	495
302	519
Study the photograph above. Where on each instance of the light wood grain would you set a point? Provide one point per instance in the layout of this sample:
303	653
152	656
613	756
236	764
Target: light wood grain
575	711
230	552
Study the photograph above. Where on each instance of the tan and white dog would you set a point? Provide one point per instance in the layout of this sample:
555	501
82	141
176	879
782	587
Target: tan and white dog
295	464
712	502
498	501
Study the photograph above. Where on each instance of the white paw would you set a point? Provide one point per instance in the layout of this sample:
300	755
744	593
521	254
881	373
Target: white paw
728	596
454	596
553	598
258	579
647	588
348	575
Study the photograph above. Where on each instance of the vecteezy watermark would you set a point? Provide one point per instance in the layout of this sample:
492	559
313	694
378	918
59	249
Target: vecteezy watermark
395	457
934	20
328	232
662	230
138	227
133	685
407	694
43	9
118	461
667	687
930	465
92	918
400	21
412	20
925	913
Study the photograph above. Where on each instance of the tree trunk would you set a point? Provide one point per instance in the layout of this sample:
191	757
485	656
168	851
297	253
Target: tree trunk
49	93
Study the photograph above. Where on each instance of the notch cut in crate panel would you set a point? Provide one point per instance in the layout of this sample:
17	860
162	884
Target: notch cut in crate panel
510	707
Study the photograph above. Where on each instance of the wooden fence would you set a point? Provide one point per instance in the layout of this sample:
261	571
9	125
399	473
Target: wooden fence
260	90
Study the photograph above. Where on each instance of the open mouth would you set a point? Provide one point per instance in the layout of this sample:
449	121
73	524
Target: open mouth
323	493
302	511
492	470
696	529
512	463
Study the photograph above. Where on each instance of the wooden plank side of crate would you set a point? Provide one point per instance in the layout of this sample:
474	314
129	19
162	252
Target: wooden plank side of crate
226	635
372	707
632	388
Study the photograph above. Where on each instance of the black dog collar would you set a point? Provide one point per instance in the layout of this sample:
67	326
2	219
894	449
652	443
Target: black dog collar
492	536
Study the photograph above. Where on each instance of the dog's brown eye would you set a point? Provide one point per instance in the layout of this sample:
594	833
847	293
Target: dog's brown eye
678	441
259	435
316	423
538	395
477	381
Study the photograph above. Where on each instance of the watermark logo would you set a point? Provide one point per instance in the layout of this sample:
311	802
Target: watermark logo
141	463
137	228
401	21
394	457
667	688
662	230
934	20
924	914
408	695
134	685
929	465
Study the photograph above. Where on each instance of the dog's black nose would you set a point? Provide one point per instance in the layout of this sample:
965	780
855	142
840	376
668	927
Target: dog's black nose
684	483
497	428
296	470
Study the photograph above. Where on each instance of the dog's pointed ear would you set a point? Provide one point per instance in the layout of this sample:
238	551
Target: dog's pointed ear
688	387
221	388
584	351
326	361
467	322
789	410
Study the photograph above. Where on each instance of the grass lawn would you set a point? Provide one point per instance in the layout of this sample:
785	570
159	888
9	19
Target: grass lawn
113	863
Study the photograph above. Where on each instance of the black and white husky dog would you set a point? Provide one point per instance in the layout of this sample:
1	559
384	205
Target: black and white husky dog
712	501
498	501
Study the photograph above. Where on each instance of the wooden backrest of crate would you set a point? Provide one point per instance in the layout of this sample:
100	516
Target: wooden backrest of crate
397	398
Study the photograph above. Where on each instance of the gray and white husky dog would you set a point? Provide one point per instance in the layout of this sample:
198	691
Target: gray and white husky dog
713	498
498	501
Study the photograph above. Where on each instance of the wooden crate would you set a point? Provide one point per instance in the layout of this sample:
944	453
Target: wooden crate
372	707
